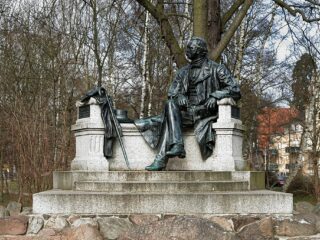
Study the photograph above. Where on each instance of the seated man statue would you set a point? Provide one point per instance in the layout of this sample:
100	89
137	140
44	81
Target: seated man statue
192	102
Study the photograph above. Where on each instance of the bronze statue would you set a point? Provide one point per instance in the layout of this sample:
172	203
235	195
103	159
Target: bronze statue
192	102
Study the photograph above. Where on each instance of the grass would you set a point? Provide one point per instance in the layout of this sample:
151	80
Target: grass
299	197
12	195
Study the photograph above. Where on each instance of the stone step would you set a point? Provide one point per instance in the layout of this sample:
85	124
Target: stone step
66	179
161	186
243	202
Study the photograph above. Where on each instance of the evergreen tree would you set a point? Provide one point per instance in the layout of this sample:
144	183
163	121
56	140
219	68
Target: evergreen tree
302	75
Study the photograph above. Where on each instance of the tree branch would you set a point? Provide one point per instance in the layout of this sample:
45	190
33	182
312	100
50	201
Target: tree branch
313	2
233	28
166	30
177	3
294	11
228	15
179	15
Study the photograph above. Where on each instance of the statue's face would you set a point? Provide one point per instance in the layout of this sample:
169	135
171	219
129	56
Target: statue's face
192	50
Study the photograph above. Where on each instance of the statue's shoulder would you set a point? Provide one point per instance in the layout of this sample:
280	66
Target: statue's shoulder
213	64
184	68
182	71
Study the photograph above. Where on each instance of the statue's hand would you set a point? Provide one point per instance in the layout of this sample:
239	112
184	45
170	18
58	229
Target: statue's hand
211	103
182	100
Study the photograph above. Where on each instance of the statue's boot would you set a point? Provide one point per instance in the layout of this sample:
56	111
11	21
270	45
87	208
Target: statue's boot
177	150
159	164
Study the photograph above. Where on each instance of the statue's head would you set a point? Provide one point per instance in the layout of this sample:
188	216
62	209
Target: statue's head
196	47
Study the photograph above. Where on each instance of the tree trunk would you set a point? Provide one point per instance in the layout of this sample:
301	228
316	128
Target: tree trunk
240	50
96	43
214	24
185	25
200	19
316	176
145	72
227	36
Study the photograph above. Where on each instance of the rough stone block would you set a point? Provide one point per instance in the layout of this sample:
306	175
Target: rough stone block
13	225
139	219
112	227
83	232
260	230
182	228
293	228
35	224
83	221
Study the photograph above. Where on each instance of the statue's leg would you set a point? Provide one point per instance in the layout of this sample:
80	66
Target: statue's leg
171	139
174	125
161	159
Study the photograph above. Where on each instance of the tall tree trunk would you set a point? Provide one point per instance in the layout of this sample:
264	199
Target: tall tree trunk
214	24
184	26
200	19
1	175
240	50
145	72
96	42
227	36
150	100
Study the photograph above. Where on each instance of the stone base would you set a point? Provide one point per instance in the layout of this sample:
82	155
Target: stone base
77	202
168	192
66	180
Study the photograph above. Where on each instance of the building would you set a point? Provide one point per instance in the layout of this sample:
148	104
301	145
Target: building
279	137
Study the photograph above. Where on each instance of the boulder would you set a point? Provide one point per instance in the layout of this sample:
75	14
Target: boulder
56	222
304	207
224	223
47	232
82	221
83	232
240	221
72	218
4	212
292	228
310	218
259	230
13	225
316	209
35	224
180	227
112	227
140	219
14	208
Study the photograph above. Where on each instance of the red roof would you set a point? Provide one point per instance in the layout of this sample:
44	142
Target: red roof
271	121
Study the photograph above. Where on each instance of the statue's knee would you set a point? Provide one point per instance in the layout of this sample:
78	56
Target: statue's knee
170	104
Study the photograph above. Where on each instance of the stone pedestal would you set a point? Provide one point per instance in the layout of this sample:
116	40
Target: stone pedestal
227	154
89	133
